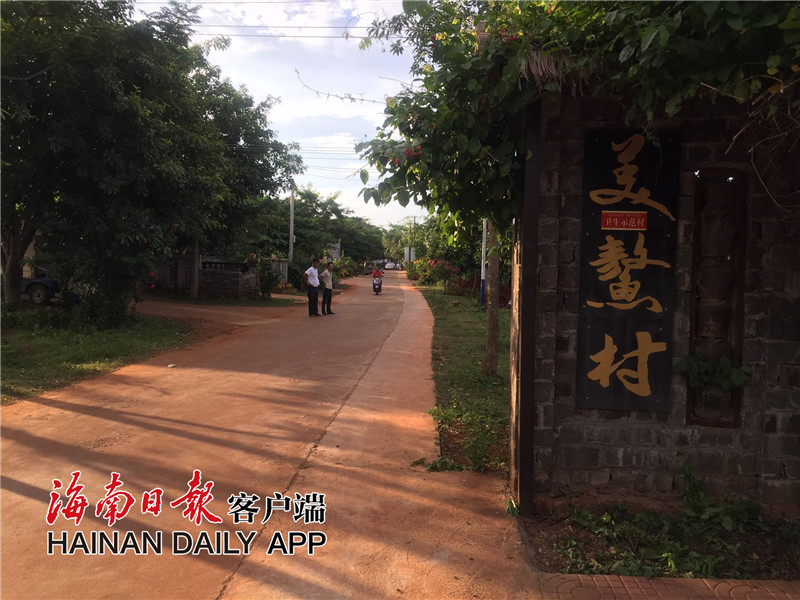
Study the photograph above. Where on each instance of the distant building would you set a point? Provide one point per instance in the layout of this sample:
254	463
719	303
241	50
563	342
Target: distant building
335	251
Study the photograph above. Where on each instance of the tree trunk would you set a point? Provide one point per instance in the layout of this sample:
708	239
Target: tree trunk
194	281
489	364
15	243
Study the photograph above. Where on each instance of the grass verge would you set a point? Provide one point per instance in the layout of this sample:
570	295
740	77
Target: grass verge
42	351
705	537
277	299
472	410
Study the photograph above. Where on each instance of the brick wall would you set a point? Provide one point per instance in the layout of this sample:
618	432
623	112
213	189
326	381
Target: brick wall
577	449
218	283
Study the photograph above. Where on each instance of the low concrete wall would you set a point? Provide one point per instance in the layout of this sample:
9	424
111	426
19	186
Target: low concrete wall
220	283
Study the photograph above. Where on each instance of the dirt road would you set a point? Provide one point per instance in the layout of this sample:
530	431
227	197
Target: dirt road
277	405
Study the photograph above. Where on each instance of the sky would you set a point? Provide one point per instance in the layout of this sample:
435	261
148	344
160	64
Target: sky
297	51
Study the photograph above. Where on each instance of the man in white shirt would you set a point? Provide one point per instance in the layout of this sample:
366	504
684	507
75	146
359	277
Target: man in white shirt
326	277
311	278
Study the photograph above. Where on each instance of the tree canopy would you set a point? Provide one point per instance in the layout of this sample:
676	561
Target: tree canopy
453	142
321	222
120	142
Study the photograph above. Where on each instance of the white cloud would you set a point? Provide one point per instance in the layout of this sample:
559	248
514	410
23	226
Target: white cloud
333	66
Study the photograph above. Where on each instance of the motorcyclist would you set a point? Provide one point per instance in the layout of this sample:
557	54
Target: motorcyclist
377	280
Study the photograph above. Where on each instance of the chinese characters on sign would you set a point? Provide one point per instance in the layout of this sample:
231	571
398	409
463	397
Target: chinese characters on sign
619	219
627	271
117	503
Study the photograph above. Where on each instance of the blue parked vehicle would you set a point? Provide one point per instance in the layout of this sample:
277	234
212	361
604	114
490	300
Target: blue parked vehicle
40	288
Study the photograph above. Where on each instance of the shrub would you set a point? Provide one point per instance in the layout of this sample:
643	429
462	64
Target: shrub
432	271
284	287
413	269
268	278
442	270
295	276
37	318
344	267
104	310
465	286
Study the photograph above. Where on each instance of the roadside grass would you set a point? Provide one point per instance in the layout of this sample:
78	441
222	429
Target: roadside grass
42	350
705	538
276	300
472	410
712	538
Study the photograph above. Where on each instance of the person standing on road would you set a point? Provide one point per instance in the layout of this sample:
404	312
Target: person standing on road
326	277
311	278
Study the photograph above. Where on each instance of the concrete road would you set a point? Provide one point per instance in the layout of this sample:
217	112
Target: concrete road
277	405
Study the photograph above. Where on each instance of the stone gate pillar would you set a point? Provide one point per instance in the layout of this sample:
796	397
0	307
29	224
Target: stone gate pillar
523	325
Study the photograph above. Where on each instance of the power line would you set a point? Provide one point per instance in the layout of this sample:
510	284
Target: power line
282	26
331	149
340	155
312	37
322	94
335	169
236	2
190	3
331	178
343	155
342	152
346	159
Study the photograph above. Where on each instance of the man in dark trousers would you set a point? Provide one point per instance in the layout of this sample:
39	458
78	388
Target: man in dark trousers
311	277
327	289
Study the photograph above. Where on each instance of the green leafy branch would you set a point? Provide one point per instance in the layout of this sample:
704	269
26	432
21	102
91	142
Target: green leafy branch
704	375
479	64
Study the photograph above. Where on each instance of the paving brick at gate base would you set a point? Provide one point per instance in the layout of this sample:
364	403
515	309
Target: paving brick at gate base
600	587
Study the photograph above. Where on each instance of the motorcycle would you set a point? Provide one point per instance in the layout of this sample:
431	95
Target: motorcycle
377	283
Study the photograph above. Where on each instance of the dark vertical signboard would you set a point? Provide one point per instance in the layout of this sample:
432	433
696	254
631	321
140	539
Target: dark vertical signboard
627	271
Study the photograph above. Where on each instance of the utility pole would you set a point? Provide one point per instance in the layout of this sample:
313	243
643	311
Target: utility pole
291	226
408	253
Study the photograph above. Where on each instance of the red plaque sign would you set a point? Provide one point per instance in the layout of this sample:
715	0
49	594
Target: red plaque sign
632	220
